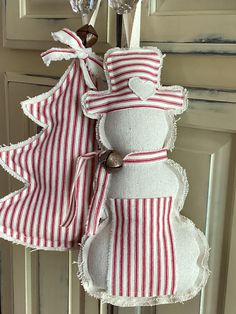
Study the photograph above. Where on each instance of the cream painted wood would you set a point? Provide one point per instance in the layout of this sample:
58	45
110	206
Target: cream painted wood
6	289
200	151
20	128
76	294
137	310
202	158
31	282
46	282
18	275
53	282
4	135
206	157
200	71
230	304
28	23
103	308
211	110
56	9
126	310
190	26
91	305
168	7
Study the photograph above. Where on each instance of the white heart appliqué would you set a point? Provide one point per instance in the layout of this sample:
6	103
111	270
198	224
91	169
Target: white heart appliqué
143	89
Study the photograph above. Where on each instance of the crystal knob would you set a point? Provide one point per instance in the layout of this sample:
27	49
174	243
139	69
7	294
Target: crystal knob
83	6
122	6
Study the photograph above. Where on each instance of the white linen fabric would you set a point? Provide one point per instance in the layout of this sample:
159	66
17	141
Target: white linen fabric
138	249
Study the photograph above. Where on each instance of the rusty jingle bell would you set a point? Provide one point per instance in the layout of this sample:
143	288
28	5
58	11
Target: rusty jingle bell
111	161
88	35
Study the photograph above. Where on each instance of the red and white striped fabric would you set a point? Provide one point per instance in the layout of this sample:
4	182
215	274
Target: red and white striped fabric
121	66
102	183
142	258
46	162
137	249
124	64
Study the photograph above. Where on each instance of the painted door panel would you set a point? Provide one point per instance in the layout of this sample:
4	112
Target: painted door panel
37	282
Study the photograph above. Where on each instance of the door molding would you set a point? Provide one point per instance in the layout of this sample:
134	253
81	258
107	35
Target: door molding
210	26
26	24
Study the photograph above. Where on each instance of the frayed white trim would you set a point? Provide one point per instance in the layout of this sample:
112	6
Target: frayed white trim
31	117
14	193
10	171
58	56
172	131
27	243
83	273
86	280
149	301
109	90
49	93
183	108
66	39
173	111
99	139
183	176
24	104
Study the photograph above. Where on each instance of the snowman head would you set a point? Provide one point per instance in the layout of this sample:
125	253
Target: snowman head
133	113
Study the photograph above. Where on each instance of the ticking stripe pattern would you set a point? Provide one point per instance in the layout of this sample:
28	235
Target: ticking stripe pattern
102	183
142	248
122	65
46	164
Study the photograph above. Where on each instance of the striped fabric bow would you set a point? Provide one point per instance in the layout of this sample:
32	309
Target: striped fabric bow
77	50
101	184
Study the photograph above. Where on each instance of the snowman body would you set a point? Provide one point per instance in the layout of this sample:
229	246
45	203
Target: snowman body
143	251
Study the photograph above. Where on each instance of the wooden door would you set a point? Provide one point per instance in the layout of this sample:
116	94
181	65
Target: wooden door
200	51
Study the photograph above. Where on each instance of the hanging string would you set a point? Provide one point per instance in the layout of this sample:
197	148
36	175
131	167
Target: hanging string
85	19
136	28
91	21
127	18
95	14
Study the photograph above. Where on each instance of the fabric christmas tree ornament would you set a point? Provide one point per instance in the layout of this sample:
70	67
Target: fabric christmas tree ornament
46	162
137	248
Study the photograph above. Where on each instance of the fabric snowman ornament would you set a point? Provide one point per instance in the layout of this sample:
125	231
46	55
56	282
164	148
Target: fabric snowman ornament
137	249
